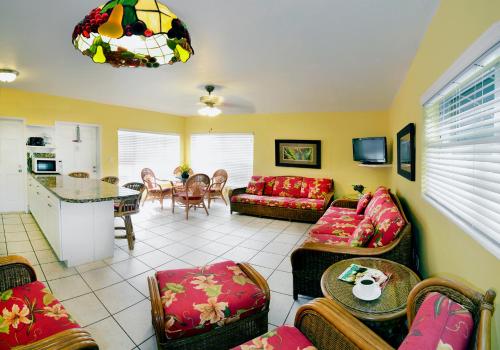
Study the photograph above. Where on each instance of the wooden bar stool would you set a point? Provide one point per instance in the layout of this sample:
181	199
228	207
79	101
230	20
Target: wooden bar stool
127	207
79	175
111	180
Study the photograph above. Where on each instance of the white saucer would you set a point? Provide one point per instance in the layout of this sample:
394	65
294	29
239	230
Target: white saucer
366	294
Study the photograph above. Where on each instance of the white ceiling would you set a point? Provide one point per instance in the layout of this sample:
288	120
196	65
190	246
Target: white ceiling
271	56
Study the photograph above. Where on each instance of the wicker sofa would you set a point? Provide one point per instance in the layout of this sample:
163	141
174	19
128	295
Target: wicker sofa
283	197
313	257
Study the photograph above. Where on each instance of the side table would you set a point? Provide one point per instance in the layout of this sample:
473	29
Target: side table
386	315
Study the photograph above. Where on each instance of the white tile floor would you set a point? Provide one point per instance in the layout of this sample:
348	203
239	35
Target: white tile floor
110	297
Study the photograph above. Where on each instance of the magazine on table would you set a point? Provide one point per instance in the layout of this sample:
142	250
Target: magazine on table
356	272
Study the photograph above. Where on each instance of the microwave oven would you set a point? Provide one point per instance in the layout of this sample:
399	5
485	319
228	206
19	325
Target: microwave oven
45	166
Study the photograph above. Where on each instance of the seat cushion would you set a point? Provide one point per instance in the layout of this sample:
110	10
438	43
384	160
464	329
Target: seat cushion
362	203
280	202
315	188
282	338
255	187
247	198
388	223
440	323
362	234
190	196
339	211
309	203
287	186
199	299
328	239
30	313
269	181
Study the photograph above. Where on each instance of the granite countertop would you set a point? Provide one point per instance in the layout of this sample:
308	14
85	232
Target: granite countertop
75	190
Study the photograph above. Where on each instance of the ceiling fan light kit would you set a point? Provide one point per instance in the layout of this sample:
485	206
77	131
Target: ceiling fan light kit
133	33
8	75
210	101
209	111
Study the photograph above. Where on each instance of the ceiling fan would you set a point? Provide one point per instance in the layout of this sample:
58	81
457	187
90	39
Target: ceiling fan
211	102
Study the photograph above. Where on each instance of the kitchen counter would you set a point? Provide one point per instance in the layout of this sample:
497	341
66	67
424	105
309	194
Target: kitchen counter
76	190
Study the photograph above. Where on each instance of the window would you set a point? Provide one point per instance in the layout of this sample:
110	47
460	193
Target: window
138	150
461	159
232	152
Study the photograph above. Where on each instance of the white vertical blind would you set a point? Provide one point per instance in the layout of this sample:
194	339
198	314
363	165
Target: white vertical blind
138	150
461	159
232	152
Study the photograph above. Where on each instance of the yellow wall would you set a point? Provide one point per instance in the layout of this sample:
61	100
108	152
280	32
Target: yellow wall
335	130
444	248
41	109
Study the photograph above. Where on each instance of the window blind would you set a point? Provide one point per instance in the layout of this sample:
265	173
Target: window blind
232	152
138	150
461	158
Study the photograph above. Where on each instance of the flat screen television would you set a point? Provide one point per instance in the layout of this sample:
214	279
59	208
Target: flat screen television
370	150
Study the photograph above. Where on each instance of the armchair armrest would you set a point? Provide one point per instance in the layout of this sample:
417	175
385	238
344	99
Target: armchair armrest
257	279
15	271
157	315
236	191
345	203
328	199
329	326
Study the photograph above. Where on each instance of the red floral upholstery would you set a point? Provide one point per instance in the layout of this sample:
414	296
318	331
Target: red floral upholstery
380	195
343	226
440	323
29	313
362	234
282	202
309	203
287	186
315	188
362	203
269	181
388	222
282	338
328	239
255	187
248	198
199	299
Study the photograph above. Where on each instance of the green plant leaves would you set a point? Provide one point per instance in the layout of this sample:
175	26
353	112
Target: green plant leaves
6	295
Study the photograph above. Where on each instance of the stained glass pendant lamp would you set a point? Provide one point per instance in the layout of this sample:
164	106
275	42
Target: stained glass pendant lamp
133	33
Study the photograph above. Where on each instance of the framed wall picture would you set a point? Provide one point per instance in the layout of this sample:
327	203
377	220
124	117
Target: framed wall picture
298	153
406	152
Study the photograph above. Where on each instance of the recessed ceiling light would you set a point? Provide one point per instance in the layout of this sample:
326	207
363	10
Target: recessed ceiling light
8	75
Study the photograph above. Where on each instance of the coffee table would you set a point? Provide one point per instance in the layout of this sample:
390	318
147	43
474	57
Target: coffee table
385	315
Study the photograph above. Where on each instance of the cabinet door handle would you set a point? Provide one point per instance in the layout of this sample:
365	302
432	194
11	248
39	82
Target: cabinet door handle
49	205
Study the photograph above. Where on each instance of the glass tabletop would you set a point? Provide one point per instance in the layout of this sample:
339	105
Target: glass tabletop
392	302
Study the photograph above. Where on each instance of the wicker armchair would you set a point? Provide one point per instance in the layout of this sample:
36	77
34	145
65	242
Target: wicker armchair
127	207
217	185
153	189
310	260
79	175
16	271
192	195
111	179
329	326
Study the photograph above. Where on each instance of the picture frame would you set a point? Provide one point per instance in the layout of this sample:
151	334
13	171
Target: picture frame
406	152
298	153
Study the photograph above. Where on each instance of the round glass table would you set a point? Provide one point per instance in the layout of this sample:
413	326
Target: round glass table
385	315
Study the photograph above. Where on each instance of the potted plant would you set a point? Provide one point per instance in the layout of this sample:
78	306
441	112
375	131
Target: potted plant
184	168
359	188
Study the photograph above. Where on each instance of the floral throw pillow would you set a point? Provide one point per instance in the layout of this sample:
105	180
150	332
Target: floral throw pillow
440	323
269	183
362	234
363	203
255	187
315	188
287	186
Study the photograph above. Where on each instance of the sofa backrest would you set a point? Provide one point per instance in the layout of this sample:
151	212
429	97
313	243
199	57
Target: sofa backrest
315	188
269	183
287	186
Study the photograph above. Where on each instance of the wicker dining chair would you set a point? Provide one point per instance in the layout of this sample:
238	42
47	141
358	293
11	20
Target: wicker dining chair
217	184
127	207
192	195
111	179
153	189
178	172
16	271
79	174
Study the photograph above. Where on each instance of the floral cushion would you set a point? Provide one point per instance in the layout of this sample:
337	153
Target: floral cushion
199	299
269	181
255	187
339	226
282	338
362	203
440	323
388	222
248	198
380	195
308	203
315	188
362	234
328	239
29	313
287	186
281	202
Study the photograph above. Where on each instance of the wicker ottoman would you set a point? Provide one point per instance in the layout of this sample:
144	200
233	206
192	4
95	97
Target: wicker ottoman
216	306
